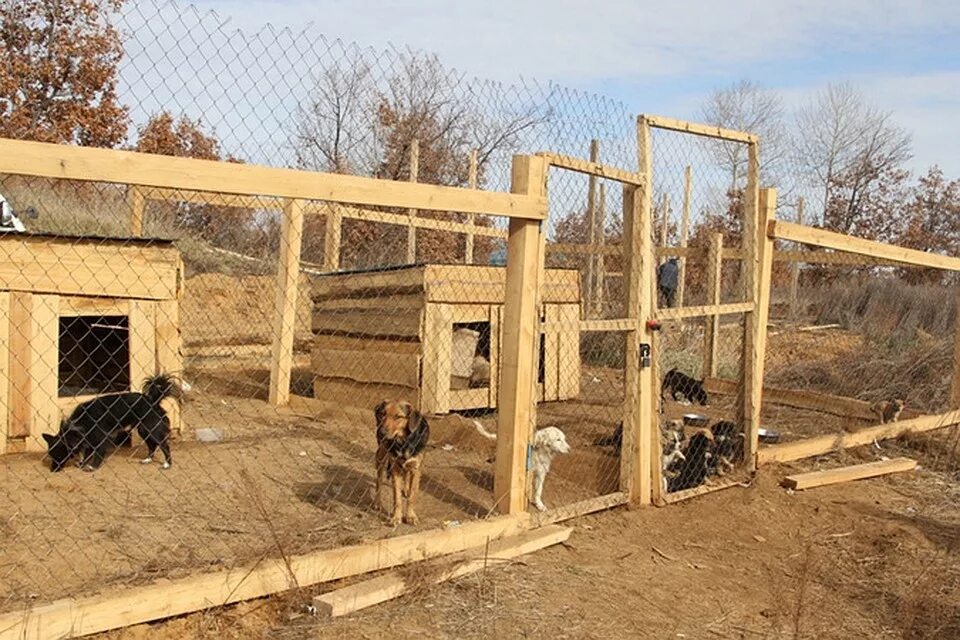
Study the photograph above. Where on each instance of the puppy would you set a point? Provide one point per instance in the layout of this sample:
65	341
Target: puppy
671	455
728	446
696	467
99	424
402	435
548	443
678	382
887	410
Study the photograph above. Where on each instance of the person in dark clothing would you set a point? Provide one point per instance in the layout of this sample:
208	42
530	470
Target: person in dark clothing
668	275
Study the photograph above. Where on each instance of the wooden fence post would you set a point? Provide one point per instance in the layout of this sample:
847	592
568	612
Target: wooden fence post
599	276
414	176
753	364
711	328
684	232
664	219
749	268
955	387
639	269
795	272
137	204
591	279
333	232
471	218
518	348
285	311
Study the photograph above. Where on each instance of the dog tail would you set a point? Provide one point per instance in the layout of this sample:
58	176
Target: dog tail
162	386
486	434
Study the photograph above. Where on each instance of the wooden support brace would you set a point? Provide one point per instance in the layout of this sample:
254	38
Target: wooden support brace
471	218
684	232
414	176
137	204
712	323
332	236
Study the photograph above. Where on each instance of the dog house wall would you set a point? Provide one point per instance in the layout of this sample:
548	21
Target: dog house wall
46	278
390	331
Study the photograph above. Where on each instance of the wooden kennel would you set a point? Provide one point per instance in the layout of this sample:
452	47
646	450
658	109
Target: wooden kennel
81	316
392	331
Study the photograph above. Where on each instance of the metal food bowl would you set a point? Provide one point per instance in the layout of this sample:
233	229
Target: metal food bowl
768	436
695	420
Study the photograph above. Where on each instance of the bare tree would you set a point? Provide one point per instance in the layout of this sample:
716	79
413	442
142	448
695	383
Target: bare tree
331	131
746	106
846	145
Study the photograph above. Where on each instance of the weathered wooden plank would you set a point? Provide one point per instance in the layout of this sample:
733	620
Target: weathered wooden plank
44	370
801	481
402	323
383	367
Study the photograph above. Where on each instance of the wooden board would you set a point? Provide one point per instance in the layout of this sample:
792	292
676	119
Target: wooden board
77	306
169	358
142	337
376	323
704	310
840	242
496	335
70	266
393	585
592	168
833	442
568	357
19	364
285	305
44	370
705	130
813	479
348	343
463	399
711	331
4	368
367	365
122	607
518	347
137	204
437	358
332	235
551	354
19	157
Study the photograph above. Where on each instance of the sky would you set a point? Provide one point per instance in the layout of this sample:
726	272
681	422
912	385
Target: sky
666	57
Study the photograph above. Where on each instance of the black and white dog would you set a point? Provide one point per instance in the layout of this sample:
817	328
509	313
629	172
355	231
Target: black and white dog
97	425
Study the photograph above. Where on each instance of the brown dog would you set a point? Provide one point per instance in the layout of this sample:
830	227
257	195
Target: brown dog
402	435
887	410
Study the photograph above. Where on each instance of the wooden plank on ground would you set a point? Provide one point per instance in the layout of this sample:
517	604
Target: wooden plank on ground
394	584
846	474
834	442
125	606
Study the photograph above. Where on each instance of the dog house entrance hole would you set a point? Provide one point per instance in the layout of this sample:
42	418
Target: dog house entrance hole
94	355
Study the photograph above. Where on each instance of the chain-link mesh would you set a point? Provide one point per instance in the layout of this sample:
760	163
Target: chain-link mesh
113	284
698	196
854	342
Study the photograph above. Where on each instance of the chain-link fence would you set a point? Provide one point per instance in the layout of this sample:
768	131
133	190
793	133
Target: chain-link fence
856	345
701	188
116	283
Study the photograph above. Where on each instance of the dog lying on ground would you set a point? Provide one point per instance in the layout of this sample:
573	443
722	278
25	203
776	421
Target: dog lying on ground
887	410
677	381
96	426
548	443
402	435
728	447
696	467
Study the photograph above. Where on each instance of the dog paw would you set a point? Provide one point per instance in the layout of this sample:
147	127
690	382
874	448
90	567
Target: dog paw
412	518
88	468
146	461
165	465
540	506
394	520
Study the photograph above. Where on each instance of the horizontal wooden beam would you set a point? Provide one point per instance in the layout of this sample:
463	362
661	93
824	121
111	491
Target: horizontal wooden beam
616	324
394	584
686	494
705	130
581	508
833	257
704	310
825	444
592	168
66	162
122	607
420	222
813	479
783	230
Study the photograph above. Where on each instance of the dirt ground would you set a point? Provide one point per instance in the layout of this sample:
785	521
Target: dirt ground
873	559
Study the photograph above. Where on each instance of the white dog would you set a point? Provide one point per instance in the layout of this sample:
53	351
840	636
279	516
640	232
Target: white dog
548	443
